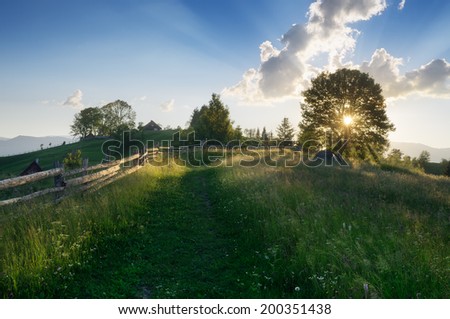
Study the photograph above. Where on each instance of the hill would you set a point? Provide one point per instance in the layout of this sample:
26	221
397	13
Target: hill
23	144
13	165
414	150
91	149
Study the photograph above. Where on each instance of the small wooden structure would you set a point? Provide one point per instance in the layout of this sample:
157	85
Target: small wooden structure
32	168
152	126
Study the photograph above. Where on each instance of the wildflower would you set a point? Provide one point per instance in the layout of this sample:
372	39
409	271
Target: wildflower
297	289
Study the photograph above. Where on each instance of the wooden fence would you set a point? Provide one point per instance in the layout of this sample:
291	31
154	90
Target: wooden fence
81	179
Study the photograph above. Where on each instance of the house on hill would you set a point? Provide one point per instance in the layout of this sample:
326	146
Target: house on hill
32	168
152	126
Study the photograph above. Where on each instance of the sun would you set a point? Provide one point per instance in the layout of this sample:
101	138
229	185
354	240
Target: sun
348	120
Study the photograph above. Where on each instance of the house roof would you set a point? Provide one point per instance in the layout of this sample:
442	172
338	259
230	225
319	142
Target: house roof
31	169
152	126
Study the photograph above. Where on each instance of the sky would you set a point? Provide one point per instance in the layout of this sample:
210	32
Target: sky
166	57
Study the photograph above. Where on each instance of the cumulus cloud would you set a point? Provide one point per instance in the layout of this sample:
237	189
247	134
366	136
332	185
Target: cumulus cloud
75	100
327	36
384	68
401	5
167	106
283	73
432	79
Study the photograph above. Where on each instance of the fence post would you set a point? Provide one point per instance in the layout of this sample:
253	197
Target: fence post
58	180
144	156
85	165
135	161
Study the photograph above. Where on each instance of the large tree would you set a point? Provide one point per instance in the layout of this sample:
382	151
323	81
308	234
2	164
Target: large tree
88	121
346	106
212	121
110	119
117	116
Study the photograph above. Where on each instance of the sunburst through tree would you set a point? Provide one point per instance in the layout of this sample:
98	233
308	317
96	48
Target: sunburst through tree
347	107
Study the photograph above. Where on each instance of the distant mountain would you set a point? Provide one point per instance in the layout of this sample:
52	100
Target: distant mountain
4	138
24	144
414	150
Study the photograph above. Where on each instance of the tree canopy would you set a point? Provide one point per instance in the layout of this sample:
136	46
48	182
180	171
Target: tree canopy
346	106
117	116
212	121
107	120
87	122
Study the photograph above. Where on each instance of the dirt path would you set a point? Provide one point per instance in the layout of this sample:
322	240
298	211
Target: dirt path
177	249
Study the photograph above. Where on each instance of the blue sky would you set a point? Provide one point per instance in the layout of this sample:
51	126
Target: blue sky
166	57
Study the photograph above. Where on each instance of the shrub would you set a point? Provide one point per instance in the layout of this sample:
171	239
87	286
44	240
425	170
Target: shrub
73	160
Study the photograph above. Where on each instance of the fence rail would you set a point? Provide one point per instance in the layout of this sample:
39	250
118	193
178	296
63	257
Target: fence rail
17	181
102	175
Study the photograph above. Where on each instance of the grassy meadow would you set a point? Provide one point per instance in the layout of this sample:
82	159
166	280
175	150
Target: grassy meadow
11	166
235	232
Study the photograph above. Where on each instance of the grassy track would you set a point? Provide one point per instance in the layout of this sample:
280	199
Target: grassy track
176	232
180	249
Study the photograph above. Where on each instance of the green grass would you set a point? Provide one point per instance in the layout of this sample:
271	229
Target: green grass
330	231
157	136
241	232
11	166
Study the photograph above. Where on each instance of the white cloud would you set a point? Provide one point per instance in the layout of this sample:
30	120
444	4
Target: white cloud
384	68
143	98
167	106
401	5
267	51
75	100
432	79
283	73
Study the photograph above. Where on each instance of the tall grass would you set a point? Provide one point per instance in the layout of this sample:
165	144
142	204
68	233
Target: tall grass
44	244
327	232
236	232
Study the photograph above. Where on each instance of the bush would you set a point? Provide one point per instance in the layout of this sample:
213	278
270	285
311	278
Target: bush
73	160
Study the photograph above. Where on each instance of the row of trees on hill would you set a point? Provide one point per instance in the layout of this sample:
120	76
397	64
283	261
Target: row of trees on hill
212	122
344	109
107	120
285	131
397	157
